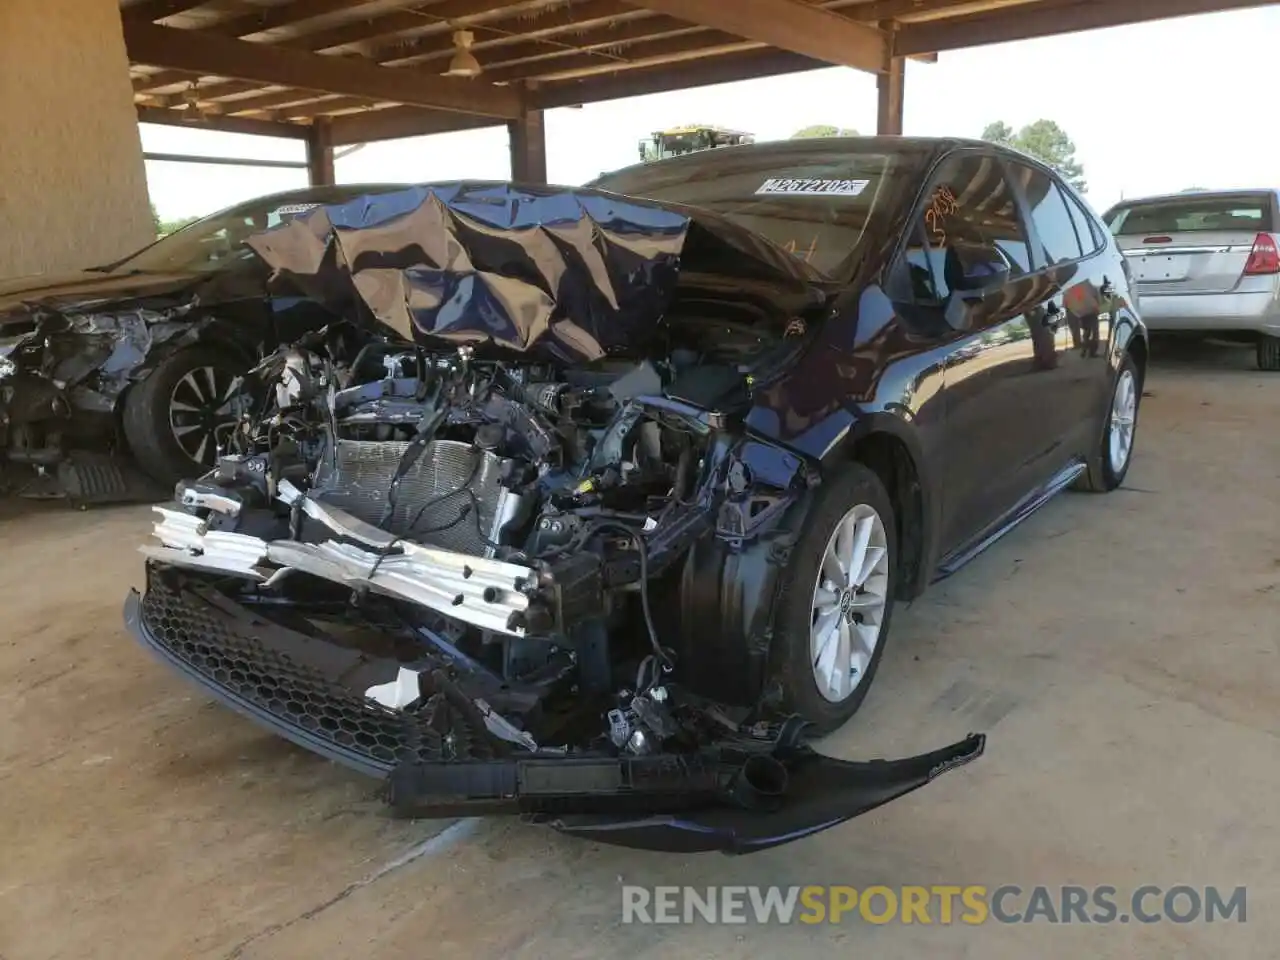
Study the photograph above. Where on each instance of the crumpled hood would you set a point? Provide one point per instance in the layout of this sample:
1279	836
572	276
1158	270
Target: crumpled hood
569	274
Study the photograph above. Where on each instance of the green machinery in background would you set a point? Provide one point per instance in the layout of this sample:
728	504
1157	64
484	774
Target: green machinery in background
689	139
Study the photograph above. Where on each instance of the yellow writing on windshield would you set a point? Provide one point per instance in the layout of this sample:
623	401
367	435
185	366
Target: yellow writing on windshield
807	256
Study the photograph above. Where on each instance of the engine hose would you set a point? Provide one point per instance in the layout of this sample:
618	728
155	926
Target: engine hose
663	654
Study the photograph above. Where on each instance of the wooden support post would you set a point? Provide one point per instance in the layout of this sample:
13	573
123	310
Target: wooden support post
320	153
890	88
528	148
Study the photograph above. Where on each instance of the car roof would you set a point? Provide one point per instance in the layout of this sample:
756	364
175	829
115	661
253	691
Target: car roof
783	149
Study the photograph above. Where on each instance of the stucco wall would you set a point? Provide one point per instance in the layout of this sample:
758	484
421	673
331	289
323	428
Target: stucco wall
73	190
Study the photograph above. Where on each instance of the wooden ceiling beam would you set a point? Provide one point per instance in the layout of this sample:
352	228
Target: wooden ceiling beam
704	44
728	68
462	12
209	91
1047	19
174	118
443	16
788	25
270	102
147	11
272	64
596	25
335	107
518	29
284	15
160	79
394	123
876	10
607	44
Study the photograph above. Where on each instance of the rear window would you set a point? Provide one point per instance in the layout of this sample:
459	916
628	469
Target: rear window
1244	213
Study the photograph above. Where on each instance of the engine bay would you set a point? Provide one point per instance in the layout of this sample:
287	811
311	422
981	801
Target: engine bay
520	515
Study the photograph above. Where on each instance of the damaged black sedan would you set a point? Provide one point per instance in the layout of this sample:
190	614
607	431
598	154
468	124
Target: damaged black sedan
595	504
120	380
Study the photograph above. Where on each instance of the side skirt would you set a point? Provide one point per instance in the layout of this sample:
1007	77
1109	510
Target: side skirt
1023	509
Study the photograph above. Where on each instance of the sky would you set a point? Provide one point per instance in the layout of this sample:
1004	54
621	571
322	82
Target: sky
1152	108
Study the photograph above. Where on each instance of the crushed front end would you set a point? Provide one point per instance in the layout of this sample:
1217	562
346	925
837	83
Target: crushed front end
663	770
537	581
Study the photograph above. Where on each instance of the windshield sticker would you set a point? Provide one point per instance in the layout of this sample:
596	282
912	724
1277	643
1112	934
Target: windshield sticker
292	209
807	187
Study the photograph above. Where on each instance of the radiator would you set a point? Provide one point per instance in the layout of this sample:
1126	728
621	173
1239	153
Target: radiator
357	478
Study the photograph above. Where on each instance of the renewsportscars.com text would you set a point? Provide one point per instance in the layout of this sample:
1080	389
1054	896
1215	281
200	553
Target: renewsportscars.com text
936	904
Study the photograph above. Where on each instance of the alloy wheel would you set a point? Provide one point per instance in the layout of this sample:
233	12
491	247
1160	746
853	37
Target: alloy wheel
1124	409
201	407
849	603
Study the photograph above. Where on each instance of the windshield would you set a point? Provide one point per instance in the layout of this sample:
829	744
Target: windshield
210	244
819	202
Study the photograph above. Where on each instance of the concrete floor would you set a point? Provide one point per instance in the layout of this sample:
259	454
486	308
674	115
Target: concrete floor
1120	651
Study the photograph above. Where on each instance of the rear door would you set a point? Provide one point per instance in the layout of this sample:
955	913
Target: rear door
1068	321
1197	243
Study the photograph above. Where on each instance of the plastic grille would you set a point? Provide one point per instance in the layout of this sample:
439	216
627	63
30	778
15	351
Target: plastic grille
221	651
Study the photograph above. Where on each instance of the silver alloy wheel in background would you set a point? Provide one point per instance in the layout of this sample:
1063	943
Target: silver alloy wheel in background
201	405
849	603
1124	409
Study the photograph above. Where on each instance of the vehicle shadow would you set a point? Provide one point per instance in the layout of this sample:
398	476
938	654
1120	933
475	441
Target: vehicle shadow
1187	352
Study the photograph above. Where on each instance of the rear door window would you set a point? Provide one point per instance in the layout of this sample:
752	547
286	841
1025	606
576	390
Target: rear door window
1090	240
1050	214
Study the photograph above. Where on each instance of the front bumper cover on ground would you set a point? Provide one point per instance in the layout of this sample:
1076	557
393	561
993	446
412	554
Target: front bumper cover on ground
310	691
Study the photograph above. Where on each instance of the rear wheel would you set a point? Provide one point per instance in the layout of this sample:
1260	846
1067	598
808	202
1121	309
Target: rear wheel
1119	432
175	418
836	600
1268	353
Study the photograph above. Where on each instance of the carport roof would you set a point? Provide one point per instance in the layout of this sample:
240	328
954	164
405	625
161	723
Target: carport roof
373	67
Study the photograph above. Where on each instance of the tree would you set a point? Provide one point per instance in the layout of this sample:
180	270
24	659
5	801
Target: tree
823	130
166	227
1044	140
998	132
169	226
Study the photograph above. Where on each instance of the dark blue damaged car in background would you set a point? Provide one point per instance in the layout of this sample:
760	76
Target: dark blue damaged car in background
595	504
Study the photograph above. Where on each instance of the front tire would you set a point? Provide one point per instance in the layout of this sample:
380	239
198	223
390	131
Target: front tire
174	418
836	600
1119	432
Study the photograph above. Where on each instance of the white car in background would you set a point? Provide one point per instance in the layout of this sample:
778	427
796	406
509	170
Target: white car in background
1206	262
